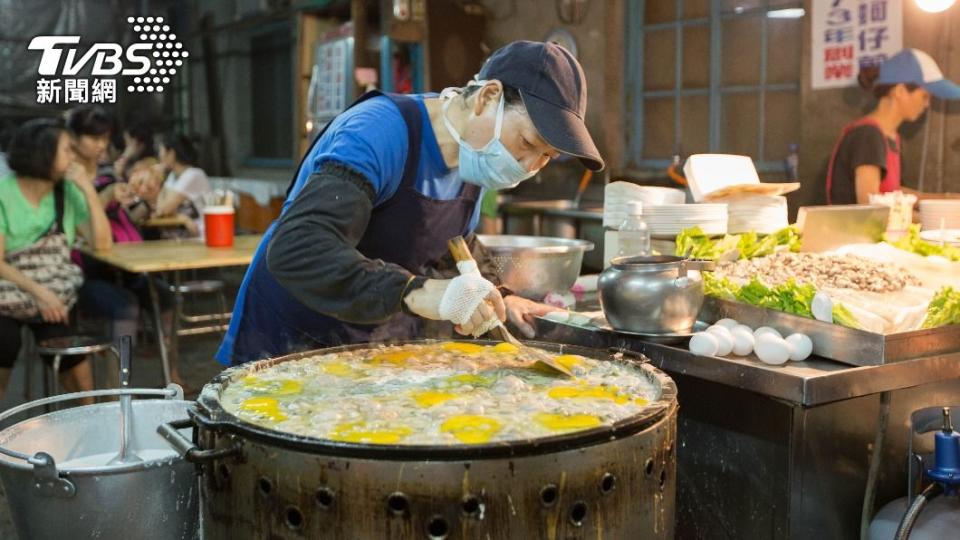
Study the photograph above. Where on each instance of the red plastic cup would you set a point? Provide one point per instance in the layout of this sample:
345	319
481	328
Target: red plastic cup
218	225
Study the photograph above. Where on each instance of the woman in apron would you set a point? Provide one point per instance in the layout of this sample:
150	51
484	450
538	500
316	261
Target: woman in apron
359	252
866	158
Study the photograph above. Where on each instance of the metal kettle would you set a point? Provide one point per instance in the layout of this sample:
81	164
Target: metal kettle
659	294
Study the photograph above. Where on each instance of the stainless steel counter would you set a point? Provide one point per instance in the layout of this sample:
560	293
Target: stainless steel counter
772	452
810	383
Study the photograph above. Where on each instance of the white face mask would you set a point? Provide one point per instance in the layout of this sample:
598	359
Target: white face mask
493	166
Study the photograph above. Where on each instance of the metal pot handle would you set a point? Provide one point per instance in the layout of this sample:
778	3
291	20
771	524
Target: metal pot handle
187	449
700	265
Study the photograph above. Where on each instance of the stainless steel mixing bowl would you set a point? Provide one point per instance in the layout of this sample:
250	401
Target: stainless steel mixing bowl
533	266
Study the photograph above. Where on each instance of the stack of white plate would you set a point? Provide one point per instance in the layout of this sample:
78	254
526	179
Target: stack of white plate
762	214
940	213
651	195
617	194
670	219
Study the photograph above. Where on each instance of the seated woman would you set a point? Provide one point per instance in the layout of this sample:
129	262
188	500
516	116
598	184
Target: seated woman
137	144
186	184
44	205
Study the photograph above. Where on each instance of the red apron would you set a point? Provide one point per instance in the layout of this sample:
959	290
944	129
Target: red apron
891	180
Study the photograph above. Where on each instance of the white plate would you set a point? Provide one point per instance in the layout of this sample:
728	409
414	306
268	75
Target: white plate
950	236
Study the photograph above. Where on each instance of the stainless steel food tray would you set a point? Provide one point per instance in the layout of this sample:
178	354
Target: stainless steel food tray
846	345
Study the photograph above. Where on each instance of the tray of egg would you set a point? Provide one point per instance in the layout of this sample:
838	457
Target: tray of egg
728	337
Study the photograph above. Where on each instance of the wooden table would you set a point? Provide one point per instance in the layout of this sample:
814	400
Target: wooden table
175	255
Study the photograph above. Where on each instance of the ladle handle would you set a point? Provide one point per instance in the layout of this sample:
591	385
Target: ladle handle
125	350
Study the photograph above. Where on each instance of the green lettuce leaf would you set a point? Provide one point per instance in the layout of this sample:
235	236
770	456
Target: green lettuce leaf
843	317
914	244
790	297
944	309
719	287
693	242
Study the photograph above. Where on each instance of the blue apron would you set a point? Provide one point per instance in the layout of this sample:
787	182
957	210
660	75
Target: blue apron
409	229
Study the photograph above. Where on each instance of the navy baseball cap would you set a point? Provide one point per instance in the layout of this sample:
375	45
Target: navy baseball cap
915	66
554	91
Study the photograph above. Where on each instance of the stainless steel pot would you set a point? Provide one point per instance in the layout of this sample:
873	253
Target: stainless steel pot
533	266
609	482
654	295
58	484
559	218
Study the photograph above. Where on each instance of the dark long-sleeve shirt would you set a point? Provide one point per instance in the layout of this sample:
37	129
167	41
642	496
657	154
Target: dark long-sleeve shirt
313	253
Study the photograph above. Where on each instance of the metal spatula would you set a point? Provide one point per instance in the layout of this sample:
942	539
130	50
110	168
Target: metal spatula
460	251
126	454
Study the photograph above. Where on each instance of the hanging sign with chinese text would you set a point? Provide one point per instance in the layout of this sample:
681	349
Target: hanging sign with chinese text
848	34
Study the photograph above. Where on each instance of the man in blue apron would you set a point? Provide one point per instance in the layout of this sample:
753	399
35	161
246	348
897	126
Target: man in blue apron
358	252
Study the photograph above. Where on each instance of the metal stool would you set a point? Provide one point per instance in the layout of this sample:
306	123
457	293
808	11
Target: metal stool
80	345
212	286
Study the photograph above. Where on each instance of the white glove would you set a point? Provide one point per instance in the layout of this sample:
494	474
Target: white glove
464	296
462	300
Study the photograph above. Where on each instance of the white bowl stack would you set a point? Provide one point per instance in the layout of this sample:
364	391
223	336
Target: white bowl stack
937	213
762	213
671	219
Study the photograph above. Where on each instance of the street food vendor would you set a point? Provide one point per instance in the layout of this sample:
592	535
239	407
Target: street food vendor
866	158
356	253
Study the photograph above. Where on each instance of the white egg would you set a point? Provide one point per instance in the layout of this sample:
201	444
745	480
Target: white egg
743	327
724	339
766	330
703	344
800	346
729	324
742	342
772	349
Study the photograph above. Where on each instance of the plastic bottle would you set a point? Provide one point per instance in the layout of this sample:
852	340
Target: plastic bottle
792	162
633	234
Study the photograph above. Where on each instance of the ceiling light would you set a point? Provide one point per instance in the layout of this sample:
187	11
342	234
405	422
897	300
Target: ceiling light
789	13
934	6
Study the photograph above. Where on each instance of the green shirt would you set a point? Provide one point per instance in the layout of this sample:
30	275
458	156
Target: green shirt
22	224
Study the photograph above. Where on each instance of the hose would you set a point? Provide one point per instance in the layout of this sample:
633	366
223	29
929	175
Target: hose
913	512
869	496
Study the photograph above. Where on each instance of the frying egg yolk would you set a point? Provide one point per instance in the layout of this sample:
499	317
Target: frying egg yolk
563	422
466	348
264	406
278	387
568	361
340	369
357	432
429	398
505	348
595	392
471	429
397	358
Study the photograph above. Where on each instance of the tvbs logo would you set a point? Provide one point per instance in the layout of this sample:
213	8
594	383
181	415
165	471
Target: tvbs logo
151	61
107	57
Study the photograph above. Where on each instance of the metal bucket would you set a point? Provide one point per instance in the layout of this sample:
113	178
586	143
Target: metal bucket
53	469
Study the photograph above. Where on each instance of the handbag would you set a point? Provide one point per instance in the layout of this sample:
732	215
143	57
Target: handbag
47	262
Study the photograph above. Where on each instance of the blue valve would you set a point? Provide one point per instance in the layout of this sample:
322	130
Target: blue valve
946	456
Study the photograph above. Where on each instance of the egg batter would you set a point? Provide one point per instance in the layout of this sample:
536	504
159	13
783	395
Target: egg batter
449	393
